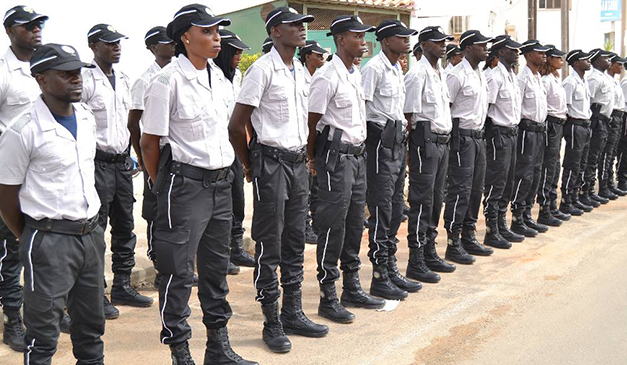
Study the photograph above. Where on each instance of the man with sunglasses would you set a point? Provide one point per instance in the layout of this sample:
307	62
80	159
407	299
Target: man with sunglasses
18	91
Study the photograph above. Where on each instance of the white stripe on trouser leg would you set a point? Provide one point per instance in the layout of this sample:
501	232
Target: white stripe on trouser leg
257	189
572	137
489	193
30	349
165	302
493	149
4	245
454	212
30	261
169	204
517	190
376	229
377	158
324	255
522	152
150	240
419	161
544	183
259	269
570	173
329	180
418	225
459	160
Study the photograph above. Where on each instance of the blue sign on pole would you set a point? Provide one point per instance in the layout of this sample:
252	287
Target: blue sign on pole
610	10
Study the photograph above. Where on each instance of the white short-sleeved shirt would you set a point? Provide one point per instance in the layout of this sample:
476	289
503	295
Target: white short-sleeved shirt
555	96
619	98
234	87
427	97
533	96
55	170
503	97
308	77
18	89
138	90
190	115
338	95
577	96
601	91
468	90
384	90
110	108
623	86
279	96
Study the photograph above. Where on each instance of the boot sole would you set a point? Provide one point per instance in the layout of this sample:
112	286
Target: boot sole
290	331
502	247
115	316
423	280
438	269
336	320
129	304
552	224
461	262
279	350
512	239
347	303
479	253
14	348
388	297
528	235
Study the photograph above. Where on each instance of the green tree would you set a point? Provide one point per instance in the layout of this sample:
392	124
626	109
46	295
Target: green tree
247	60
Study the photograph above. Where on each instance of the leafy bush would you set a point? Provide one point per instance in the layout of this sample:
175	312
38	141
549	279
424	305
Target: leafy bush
247	60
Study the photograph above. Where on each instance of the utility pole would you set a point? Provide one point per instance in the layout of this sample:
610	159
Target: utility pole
623	18
532	19
565	16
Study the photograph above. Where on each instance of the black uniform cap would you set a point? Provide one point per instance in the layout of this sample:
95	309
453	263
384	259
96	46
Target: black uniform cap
532	45
470	37
576	55
345	23
267	45
393	27
54	56
452	50
417	48
554	52
156	35
504	41
598	52
193	15
104	33
285	15
21	15
435	34
232	39
311	47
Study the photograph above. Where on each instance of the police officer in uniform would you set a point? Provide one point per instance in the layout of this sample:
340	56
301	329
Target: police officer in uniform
576	129
468	90
501	131
601	88
192	180
621	148
162	48
428	111
273	104
18	91
49	201
386	144
107	93
531	140
555	120
454	56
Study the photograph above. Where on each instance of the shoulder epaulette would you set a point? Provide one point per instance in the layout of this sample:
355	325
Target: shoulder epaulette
21	122
165	75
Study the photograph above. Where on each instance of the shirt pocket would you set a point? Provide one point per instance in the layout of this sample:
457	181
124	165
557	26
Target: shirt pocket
99	108
17	98
189	120
530	94
343	104
278	106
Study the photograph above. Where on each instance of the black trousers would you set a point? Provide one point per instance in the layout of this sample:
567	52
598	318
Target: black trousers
529	158
62	271
466	176
114	184
621	154
593	152
427	178
499	176
193	222
238	197
278	228
149	213
551	163
577	137
606	163
385	172
313	201
11	293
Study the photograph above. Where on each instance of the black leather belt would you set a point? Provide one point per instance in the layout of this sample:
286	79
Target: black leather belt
349	149
601	117
280	154
474	133
63	226
111	157
440	138
198	173
556	120
531	126
580	122
507	131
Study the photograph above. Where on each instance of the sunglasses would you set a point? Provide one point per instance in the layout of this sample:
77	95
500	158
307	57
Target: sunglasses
30	26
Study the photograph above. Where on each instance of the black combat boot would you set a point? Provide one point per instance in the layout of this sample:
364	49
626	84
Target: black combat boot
558	213
594	196
382	286
273	334
433	261
506	232
417	268
181	355
455	251
64	326
519	226
616	190
546	217
294	320
13	334
583	202
310	234
110	311
472	245
354	296
122	293
531	223
219	351
567	207
239	256
398	279
232	269
622	185
605	192
493	237
330	307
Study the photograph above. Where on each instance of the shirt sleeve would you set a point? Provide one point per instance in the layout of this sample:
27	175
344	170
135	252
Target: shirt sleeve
495	83
320	93
414	86
522	85
14	158
454	86
88	86
156	116
253	86
138	91
369	80
593	85
569	89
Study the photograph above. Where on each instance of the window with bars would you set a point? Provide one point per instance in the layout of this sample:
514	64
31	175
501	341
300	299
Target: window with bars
549	4
458	25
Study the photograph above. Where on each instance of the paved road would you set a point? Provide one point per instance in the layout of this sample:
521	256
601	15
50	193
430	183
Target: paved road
557	299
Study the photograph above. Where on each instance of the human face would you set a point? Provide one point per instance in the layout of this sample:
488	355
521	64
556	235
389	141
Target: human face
455	60
290	34
536	58
315	60
64	86
508	55
583	65
616	68
161	50
602	63
237	58
202	42
107	53
479	51
418	55
556	62
27	35
434	49
354	43
398	44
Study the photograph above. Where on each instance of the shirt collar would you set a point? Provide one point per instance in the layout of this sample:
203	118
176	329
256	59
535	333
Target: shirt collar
386	61
14	63
47	122
155	66
99	74
339	65
425	62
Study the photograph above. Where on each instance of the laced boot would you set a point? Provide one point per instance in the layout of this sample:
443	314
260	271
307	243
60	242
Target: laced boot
472	245
583	202
531	223
13	334
434	262
546	217
558	213
506	232
294	320
330	307
493	237
110	311
382	286
567	207
232	269
519	226
273	334
354	296
181	355
239	256
219	351
122	293
398	279
417	268
605	192
455	250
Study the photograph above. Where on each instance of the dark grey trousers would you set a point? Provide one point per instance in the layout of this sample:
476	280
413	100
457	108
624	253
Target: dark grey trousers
529	158
500	169
593	152
577	138
149	213
11	294
238	197
550	164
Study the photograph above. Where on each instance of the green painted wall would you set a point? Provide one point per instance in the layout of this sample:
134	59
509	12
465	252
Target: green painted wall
249	25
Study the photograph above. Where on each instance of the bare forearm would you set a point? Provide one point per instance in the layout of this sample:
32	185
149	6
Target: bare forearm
133	126
239	123
150	151
10	209
313	120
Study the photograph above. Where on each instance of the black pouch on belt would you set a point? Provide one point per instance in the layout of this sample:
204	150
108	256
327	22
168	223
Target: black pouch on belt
333	154
455	135
421	137
163	169
596	115
388	136
256	157
495	132
321	141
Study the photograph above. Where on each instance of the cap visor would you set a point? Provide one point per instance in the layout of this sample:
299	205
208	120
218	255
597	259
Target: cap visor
405	32
39	17
236	43
557	53
318	50
72	65
305	18
112	37
362	29
210	22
